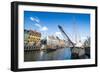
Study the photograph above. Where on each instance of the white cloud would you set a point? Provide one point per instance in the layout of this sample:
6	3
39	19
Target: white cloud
37	20
34	19
44	28
58	33
41	28
38	25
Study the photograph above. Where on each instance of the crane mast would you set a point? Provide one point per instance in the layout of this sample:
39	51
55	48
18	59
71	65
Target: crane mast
63	32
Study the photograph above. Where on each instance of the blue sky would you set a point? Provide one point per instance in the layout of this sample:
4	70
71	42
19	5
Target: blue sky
47	23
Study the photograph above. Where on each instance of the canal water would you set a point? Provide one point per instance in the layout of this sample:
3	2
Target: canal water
58	54
43	55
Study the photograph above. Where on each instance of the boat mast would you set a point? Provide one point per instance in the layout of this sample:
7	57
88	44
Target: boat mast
74	31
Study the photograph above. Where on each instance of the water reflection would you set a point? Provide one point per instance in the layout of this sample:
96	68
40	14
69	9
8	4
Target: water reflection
59	54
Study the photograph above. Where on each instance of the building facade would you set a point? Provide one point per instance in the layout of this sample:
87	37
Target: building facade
26	36
34	37
32	40
54	42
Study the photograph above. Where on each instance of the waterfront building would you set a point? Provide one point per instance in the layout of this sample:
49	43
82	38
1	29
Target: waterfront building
52	41
62	43
26	36
55	42
34	37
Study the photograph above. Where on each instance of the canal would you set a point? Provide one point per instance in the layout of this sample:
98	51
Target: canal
44	55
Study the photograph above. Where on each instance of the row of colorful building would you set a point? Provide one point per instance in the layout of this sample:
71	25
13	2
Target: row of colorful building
33	40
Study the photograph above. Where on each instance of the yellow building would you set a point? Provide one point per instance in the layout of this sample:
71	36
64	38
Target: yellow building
34	37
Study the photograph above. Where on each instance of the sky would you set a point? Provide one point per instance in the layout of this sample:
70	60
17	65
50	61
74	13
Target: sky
47	23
